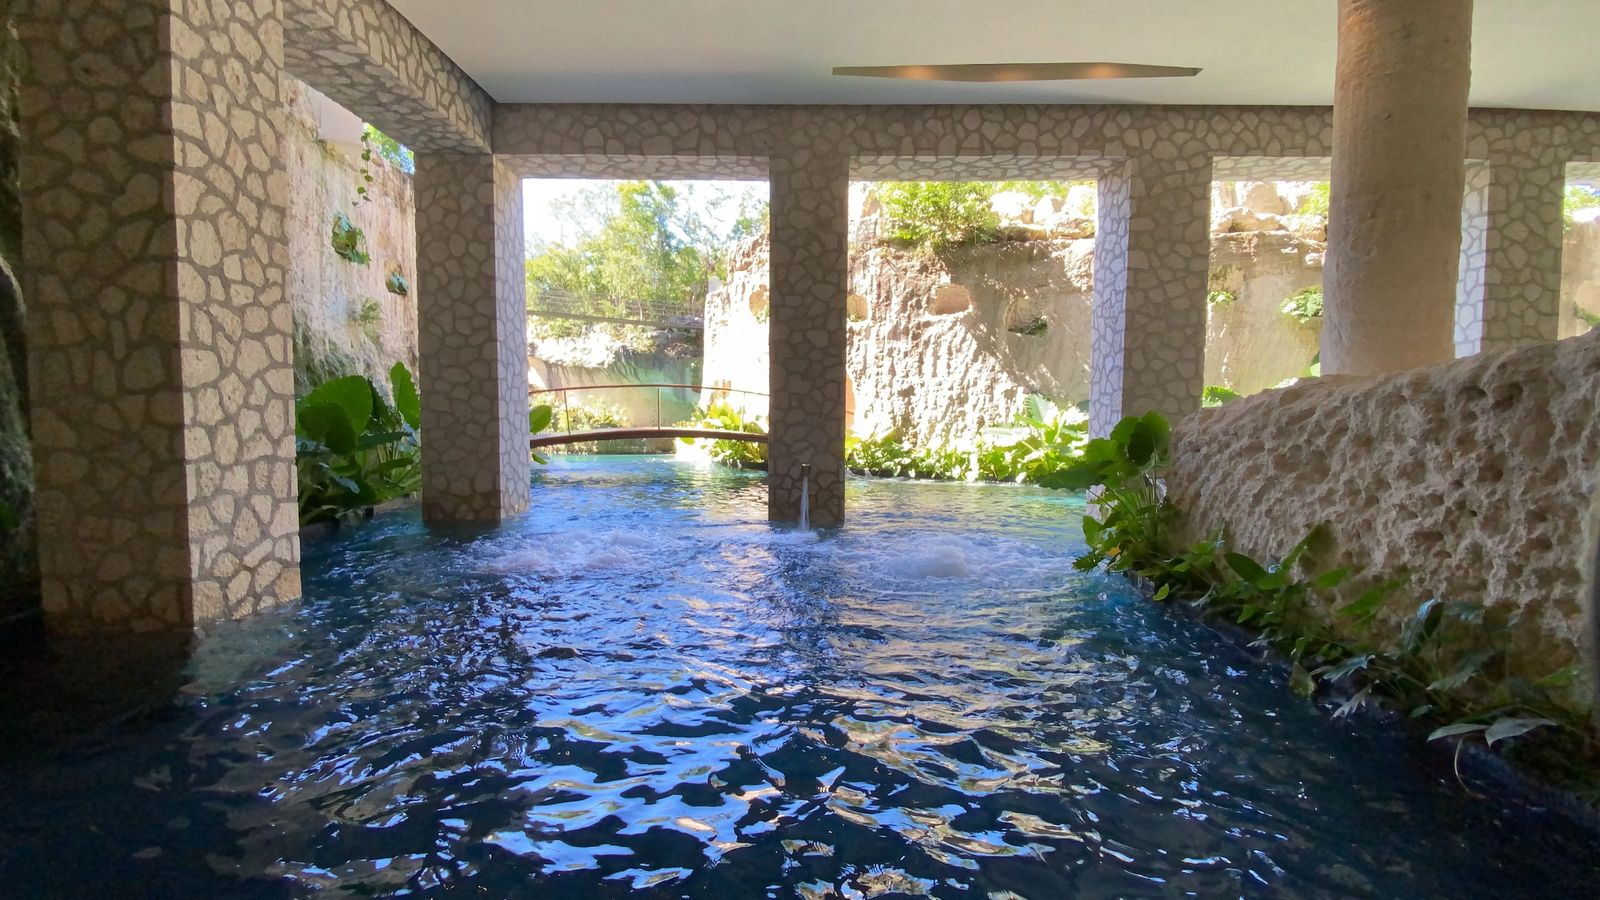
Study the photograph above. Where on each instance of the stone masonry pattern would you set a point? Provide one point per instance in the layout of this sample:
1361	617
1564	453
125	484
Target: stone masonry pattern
163	415
810	281
370	60
471	320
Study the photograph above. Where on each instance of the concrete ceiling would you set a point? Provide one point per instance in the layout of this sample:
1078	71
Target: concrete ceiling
1527	53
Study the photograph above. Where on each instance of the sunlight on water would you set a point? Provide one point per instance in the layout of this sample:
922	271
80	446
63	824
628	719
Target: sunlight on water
641	686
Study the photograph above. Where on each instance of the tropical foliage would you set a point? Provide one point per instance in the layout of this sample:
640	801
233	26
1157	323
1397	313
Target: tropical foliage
1043	441
1304	306
1217	395
355	448
723	417
641	241
1575	199
940	215
1446	663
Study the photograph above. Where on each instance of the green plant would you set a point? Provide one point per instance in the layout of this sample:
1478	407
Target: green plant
354	449
1315	201
1216	395
939	215
397	284
736	453
387	149
1220	296
368	316
1589	319
1038	445
1304	306
1036	328
1447	664
349	241
540	417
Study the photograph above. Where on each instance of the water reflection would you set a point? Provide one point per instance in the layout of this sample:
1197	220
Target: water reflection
642	687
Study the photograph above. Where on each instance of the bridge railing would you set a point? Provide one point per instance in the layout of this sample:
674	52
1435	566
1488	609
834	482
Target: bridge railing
656	413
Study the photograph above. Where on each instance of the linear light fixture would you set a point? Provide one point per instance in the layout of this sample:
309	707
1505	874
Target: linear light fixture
994	72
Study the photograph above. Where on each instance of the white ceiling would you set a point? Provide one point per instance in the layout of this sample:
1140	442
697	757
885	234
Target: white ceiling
1527	53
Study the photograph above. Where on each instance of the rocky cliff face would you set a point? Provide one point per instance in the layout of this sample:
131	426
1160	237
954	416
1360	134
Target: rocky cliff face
347	320
943	345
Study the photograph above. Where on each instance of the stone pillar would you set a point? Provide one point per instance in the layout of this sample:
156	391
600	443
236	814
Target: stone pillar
472	323
1522	251
810	261
1399	146
158	326
1151	256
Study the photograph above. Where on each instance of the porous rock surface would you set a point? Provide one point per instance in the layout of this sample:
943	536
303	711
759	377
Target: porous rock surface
1475	477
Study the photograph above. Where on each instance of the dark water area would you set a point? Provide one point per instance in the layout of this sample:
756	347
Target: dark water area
641	687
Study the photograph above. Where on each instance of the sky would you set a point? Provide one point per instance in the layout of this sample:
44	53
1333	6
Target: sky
545	223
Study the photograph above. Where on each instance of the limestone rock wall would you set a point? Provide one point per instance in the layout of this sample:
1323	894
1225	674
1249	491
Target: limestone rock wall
1478	477
598	359
941	346
346	318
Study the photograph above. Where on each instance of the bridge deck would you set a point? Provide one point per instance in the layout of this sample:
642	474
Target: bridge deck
623	434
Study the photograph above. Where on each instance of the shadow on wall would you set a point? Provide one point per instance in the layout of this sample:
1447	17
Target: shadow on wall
19	576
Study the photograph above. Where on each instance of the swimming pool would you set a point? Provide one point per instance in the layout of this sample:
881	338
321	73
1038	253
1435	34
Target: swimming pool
642	686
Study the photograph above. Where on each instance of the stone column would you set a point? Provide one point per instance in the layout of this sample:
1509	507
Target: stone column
472	324
810	261
158	326
1399	146
1522	251
1152	252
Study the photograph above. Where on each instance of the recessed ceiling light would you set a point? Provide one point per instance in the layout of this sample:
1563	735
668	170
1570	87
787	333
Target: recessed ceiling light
989	72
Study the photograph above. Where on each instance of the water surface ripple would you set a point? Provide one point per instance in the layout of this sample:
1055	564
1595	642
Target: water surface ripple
642	687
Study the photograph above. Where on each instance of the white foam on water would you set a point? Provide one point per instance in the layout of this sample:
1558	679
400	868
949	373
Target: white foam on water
903	559
614	550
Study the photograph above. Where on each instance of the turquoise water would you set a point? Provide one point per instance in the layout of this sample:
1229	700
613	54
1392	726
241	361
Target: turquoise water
642	687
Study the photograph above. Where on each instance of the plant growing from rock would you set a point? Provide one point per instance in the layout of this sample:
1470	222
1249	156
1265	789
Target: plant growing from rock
1216	395
1304	306
397	284
939	215
349	241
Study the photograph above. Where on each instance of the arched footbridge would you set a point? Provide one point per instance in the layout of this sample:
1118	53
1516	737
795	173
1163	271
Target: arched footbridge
649	411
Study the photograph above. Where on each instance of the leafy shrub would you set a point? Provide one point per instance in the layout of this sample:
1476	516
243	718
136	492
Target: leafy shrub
1041	442
1315	201
1216	395
1305	306
723	417
397	284
349	242
1220	296
939	215
354	449
1446	664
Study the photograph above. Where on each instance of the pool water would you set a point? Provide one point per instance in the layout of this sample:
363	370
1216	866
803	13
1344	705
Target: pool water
641	686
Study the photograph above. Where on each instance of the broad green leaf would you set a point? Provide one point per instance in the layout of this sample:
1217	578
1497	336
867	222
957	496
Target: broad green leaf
1164	591
1245	567
539	418
406	399
1345	669
1456	729
327	424
352	395
1513	727
1332	578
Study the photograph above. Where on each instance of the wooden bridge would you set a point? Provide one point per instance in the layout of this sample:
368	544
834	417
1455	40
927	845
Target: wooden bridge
630	431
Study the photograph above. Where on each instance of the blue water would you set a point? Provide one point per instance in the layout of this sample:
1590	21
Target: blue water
642	687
